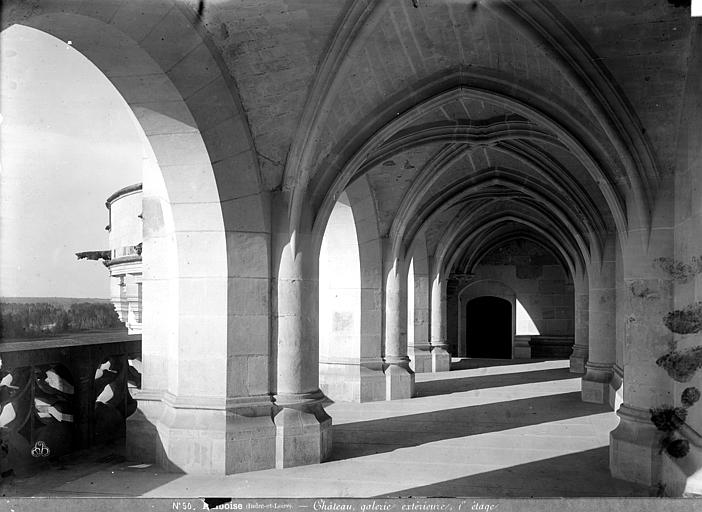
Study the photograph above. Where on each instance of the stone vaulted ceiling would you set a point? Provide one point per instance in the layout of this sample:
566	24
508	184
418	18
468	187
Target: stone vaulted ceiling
277	51
472	120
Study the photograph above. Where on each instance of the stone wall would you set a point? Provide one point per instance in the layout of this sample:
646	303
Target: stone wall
125	229
534	281
546	294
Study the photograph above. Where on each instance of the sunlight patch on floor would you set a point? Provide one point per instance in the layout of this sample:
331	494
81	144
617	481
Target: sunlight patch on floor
345	412
495	370
416	466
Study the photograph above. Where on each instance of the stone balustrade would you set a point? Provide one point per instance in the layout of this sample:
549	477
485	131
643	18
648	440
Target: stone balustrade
63	394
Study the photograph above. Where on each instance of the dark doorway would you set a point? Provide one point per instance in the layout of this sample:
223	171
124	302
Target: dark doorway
489	330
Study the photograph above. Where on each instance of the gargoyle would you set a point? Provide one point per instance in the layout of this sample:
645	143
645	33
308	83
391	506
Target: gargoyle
94	255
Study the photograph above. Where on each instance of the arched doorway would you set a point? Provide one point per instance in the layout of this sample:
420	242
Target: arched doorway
489	322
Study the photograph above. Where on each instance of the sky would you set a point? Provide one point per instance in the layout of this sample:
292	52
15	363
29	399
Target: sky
67	141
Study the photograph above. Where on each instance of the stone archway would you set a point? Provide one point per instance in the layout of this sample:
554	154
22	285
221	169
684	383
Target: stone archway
418	311
350	292
477	289
205	193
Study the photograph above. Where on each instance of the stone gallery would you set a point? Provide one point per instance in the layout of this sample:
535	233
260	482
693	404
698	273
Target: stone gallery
339	197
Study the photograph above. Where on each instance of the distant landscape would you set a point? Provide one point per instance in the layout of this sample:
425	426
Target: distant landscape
34	317
50	300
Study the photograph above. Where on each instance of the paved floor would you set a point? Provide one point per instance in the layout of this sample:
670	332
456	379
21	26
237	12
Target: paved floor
499	430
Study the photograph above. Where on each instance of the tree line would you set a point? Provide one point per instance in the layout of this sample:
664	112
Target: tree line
30	320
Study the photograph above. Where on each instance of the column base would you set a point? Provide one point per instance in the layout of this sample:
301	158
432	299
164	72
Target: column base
683	476
399	381
634	447
522	349
352	381
420	358
303	431
190	435
616	388
595	383
440	359
578	359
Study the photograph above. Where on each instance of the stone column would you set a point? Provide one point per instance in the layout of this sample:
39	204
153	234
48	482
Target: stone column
601	329
579	356
452	316
684	474
399	377
134	285
418	346
205	404
303	428
635	443
441	359
616	385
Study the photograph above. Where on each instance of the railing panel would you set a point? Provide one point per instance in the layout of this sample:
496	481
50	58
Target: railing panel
66	393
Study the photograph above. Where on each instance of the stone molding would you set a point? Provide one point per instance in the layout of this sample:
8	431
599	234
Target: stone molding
129	189
201	402
371	363
299	400
598	372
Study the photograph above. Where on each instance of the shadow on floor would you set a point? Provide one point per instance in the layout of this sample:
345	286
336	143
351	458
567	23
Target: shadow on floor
385	435
457	385
131	477
554	477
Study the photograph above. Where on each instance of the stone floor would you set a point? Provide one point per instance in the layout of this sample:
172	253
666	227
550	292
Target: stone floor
502	429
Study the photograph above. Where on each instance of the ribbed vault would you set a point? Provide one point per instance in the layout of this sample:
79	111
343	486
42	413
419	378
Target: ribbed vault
472	177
